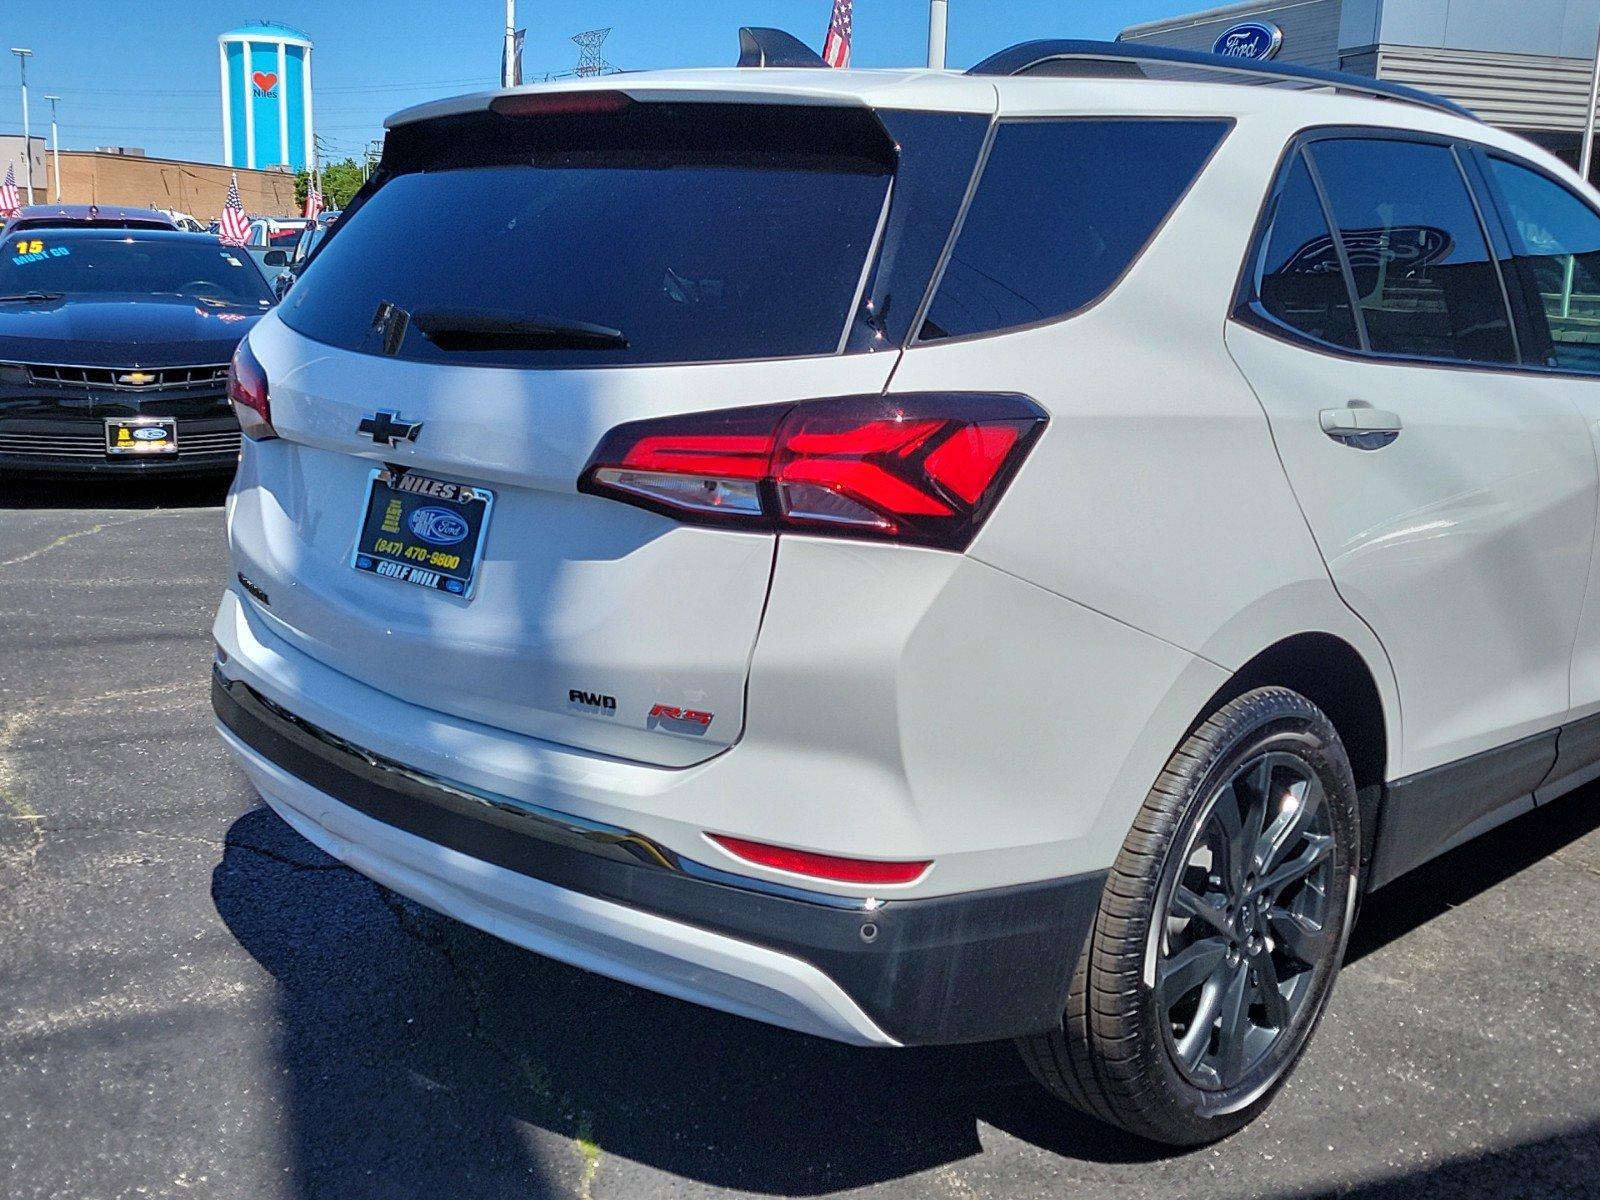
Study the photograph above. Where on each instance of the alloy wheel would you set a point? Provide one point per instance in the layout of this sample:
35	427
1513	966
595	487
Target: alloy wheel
1245	921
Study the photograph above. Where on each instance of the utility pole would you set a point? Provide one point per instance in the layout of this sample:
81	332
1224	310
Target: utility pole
27	141
938	28
510	46
55	146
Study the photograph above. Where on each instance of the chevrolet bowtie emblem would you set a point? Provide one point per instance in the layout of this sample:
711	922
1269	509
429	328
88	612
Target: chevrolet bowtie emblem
389	428
136	378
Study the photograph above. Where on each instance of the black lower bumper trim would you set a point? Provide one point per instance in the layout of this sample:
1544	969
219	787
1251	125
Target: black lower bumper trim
967	968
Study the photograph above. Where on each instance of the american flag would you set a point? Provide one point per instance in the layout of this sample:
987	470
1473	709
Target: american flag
836	50
10	202
234	229
313	201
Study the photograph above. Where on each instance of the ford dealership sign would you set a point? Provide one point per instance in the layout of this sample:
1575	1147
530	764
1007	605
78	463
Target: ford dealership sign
1249	39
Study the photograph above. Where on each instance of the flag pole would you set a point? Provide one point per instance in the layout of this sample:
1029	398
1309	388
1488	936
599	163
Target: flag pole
938	30
55	145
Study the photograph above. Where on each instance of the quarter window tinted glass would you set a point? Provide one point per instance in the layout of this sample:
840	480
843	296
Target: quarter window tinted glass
1061	211
1424	280
1302	283
1555	240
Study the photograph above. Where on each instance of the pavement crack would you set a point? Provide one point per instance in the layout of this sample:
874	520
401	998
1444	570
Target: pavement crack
578	1120
1575	866
57	543
21	860
285	859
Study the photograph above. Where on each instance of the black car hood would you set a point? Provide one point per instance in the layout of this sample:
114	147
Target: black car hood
122	331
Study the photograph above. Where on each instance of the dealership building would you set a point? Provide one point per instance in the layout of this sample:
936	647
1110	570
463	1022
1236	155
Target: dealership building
1523	66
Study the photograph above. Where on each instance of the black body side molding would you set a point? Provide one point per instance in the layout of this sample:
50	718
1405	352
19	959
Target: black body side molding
1422	816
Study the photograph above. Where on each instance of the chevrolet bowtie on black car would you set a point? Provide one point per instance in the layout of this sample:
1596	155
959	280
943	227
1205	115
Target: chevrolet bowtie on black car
114	349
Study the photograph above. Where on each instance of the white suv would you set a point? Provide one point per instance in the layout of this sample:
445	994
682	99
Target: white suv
920	558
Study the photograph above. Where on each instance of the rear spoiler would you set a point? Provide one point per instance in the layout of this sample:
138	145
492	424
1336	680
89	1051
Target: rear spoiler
763	47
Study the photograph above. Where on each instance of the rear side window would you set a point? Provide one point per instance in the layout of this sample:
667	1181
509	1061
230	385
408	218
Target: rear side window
1425	283
1302	282
1555	245
1062	210
689	233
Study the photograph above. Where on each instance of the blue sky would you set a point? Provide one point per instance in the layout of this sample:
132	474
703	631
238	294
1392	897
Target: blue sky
144	72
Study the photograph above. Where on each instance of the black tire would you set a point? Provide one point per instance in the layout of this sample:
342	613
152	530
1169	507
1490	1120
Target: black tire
1138	1056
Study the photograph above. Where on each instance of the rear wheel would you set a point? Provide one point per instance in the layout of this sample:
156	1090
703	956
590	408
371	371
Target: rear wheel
1220	930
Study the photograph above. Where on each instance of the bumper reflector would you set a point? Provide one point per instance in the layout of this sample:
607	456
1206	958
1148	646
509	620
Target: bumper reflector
822	866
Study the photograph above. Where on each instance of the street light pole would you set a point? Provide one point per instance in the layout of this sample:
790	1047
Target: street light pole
938	28
511	36
27	141
55	144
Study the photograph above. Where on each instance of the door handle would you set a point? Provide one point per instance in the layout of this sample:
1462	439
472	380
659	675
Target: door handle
1361	426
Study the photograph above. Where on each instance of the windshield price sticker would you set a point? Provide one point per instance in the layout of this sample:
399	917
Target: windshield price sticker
32	250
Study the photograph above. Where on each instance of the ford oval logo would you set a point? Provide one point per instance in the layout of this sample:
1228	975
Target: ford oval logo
438	526
1249	39
150	433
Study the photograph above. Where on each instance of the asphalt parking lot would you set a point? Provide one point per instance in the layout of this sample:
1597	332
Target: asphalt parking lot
194	1002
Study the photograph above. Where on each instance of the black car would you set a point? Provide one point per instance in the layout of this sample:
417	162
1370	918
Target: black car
114	350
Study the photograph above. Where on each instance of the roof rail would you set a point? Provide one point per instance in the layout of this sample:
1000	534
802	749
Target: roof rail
1040	57
763	47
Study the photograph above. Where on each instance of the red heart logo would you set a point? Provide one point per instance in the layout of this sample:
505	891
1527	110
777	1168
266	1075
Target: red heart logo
265	80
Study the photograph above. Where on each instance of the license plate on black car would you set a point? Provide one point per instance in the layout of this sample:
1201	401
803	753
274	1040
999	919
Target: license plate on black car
141	435
423	531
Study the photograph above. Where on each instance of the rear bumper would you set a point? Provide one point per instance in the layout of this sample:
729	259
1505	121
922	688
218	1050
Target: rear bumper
968	967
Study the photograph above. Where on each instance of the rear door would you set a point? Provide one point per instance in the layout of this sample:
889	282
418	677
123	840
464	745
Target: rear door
541	277
1553	254
1452	494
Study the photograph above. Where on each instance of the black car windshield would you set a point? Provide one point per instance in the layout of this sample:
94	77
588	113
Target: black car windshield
194	267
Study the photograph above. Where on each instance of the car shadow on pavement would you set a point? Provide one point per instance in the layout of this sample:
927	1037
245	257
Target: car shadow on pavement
1453	879
421	1057
1563	1164
98	493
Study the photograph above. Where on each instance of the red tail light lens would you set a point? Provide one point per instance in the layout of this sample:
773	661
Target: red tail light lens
925	468
822	866
247	388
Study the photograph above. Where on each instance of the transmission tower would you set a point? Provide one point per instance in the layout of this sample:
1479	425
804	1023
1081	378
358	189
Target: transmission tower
589	60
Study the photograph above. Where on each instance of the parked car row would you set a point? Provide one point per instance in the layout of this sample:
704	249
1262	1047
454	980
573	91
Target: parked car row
116	329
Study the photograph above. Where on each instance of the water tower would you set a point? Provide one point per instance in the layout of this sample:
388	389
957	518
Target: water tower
266	96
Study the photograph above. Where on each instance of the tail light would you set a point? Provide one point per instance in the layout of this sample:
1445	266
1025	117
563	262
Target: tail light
924	468
823	866
247	388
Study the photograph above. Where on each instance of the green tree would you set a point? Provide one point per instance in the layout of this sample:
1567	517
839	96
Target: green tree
339	183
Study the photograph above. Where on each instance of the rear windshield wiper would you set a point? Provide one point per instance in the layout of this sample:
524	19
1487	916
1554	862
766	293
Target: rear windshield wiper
498	329
30	297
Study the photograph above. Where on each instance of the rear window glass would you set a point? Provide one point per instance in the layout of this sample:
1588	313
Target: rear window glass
1063	208
691	253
